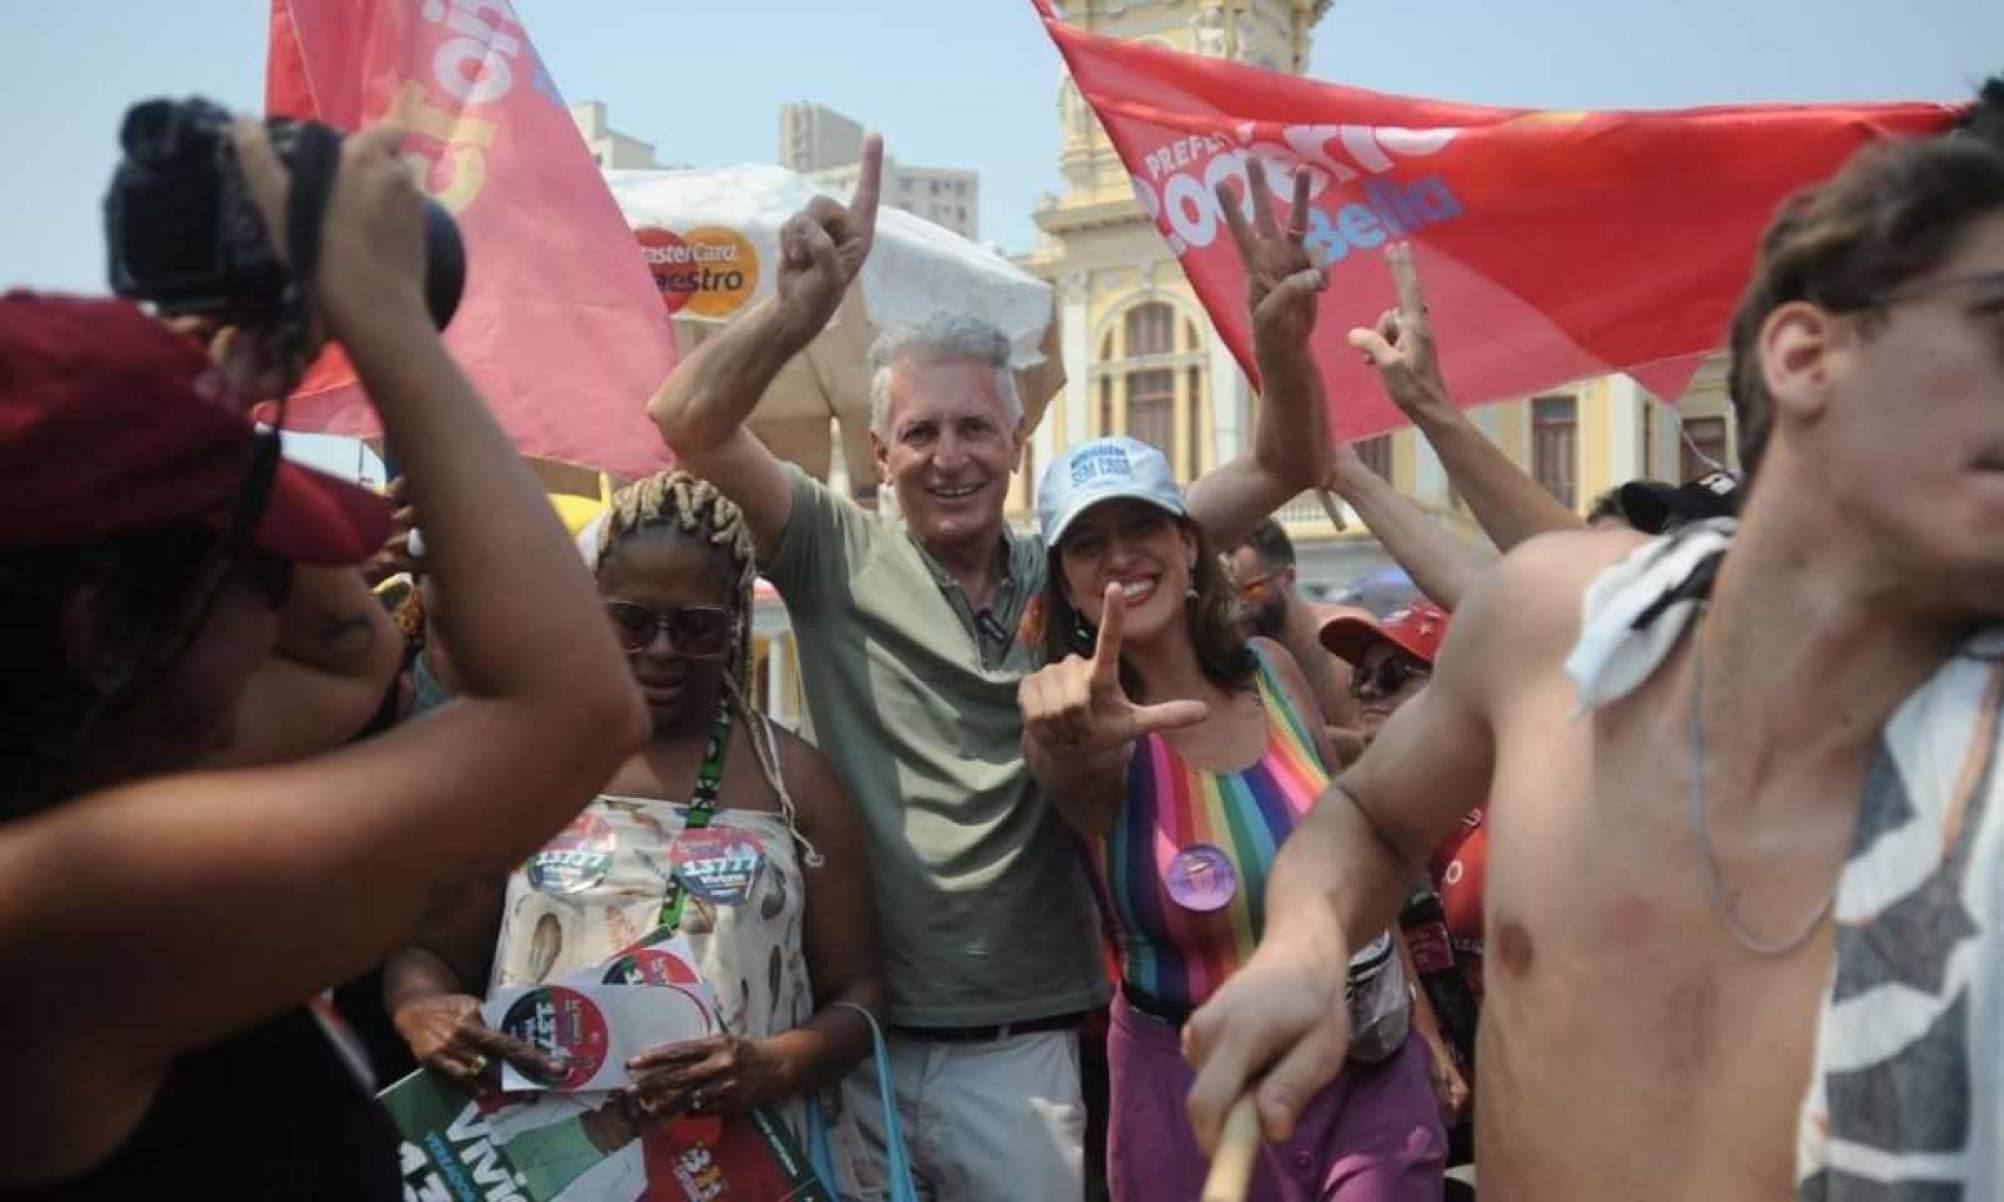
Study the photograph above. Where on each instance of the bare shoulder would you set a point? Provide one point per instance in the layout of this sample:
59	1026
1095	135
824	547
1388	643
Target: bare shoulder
1535	592
810	778
1285	666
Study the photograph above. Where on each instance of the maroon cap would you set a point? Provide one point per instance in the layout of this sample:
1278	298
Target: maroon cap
1417	630
112	423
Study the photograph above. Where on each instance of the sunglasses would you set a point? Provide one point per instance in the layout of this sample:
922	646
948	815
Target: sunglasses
694	631
1253	588
1390	677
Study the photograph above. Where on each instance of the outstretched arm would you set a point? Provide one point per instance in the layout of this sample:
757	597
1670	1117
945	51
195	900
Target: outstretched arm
1443	566
1291	423
703	405
221	897
1509	505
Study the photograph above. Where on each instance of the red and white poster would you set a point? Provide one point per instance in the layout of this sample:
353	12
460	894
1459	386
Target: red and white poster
561	326
1552	245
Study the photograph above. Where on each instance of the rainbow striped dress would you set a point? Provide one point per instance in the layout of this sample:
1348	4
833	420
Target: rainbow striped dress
1174	955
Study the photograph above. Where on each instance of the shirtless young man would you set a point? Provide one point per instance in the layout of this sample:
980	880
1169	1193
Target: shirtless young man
1635	1044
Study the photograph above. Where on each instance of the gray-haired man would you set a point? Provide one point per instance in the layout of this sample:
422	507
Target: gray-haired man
907	629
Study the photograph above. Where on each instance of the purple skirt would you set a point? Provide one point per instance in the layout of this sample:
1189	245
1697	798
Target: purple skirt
1372	1135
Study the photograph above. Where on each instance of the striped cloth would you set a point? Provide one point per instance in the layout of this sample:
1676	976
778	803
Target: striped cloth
1178	956
1905	1102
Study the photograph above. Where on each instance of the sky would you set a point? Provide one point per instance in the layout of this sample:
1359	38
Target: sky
951	83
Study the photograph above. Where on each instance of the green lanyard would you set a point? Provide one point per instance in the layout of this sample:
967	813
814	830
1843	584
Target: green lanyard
709	782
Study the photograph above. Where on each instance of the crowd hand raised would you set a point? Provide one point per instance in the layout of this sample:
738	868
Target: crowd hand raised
1077	707
1283	1014
1282	282
1401	346
447	1036
372	238
722	1074
822	247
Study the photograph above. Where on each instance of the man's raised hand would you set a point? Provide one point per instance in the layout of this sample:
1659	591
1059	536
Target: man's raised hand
1078	707
1401	347
822	247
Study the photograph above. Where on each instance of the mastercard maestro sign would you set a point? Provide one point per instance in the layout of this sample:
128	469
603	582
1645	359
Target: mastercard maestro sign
709	271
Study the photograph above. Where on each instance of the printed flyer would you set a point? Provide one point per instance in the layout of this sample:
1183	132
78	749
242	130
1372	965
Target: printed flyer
569	1139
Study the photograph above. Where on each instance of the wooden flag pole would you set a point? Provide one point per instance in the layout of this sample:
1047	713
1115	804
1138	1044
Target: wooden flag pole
1238	1146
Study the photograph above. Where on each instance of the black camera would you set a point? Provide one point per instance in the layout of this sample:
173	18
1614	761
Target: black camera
186	234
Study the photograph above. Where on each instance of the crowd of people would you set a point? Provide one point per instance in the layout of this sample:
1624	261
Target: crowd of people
1653	855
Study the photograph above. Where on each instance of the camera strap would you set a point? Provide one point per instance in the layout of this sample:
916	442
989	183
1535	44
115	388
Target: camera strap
314	159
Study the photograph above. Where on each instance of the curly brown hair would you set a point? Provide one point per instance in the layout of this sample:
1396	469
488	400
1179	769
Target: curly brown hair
1896	211
1212	618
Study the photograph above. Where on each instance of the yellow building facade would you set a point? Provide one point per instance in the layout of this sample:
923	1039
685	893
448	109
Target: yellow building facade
1141	357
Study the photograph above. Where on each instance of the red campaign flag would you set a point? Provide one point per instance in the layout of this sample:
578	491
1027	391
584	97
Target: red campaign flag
560	326
1552	245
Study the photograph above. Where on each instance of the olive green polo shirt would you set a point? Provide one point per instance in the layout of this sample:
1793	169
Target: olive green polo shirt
981	894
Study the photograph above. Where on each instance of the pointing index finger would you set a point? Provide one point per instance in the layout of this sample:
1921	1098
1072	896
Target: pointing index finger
863	204
1106	651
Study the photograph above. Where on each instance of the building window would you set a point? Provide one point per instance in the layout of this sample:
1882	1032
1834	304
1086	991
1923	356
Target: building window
1554	447
1106	348
1189	467
1151	409
1105	405
1150	329
1376	454
1704	446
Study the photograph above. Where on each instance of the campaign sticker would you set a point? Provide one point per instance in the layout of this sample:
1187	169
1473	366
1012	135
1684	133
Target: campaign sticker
1201	878
717	864
578	858
650	966
566	1024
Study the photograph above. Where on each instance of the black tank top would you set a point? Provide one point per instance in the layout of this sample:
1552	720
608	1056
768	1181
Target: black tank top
268	1113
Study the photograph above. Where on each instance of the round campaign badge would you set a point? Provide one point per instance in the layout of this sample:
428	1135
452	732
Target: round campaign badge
717	864
567	1025
578	858
650	966
1201	878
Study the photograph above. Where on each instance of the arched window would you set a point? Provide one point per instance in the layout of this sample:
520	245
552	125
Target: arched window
1151	392
1150	381
1149	330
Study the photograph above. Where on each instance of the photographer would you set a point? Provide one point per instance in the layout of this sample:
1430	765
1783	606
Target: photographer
161	925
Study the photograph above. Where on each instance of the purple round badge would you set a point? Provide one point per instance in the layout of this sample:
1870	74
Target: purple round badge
1201	878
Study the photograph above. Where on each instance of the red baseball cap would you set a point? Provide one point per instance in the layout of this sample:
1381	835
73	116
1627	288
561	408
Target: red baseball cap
1418	630
110	423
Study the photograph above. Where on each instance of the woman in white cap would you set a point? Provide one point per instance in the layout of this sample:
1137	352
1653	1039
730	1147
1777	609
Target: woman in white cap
1184	754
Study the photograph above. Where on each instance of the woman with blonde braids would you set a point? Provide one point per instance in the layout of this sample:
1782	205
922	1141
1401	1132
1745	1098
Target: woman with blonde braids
789	956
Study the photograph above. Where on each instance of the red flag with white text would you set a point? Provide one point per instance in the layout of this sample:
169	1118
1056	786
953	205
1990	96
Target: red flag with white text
560	325
1552	245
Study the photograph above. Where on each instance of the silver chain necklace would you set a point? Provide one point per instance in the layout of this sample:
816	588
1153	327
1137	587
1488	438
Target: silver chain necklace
1715	889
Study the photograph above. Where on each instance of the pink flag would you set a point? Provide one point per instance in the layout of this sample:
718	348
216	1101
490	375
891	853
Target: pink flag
560	326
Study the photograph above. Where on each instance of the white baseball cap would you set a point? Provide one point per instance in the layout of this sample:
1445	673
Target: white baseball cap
1104	469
